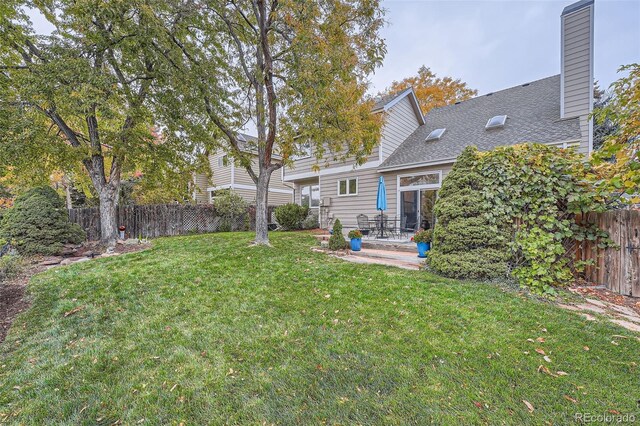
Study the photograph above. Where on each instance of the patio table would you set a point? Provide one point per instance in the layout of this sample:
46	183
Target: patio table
389	229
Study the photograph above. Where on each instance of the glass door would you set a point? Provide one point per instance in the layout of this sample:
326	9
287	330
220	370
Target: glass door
427	202
409	209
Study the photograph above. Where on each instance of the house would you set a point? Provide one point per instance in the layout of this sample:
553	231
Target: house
226	174
416	153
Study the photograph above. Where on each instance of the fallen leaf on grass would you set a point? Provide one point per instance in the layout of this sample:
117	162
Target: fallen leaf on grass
540	340
568	398
477	404
544	369
529	406
561	373
540	351
73	311
586	348
546	358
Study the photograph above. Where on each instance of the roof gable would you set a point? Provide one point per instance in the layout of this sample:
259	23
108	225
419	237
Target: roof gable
386	102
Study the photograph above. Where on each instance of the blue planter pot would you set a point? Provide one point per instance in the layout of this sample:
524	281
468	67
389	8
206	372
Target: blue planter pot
356	244
423	248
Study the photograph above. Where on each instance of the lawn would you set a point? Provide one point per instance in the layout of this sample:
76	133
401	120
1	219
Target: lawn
206	330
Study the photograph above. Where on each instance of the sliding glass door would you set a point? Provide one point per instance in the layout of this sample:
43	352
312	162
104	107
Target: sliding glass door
416	209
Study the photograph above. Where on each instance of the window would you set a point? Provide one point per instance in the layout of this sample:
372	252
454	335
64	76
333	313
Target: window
348	186
223	161
303	150
310	195
423	180
495	122
435	135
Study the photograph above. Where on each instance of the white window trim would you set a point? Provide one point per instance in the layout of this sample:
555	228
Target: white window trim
565	144
348	194
311	185
418	187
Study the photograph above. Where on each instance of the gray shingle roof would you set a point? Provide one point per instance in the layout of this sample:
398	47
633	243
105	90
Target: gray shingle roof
533	112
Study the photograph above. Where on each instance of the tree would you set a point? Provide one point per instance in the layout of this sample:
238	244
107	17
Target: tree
433	92
604	126
617	162
297	70
78	97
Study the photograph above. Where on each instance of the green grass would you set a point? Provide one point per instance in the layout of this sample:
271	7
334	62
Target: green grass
206	330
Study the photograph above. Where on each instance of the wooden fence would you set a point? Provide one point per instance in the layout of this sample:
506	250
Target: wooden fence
162	220
616	268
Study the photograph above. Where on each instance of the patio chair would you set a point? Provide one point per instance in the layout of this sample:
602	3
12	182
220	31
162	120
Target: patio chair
363	224
404	229
390	226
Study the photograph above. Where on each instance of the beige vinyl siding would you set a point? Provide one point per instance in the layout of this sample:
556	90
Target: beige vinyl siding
305	165
577	62
240	176
346	208
220	175
274	198
400	122
201	195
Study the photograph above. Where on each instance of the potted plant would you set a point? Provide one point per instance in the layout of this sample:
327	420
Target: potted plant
356	239
422	238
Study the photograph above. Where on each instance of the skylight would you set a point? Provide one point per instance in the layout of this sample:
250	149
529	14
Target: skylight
435	135
497	121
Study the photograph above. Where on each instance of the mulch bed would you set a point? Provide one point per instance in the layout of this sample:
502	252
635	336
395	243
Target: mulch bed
12	298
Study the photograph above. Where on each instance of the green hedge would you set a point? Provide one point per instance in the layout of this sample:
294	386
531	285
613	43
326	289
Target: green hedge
291	216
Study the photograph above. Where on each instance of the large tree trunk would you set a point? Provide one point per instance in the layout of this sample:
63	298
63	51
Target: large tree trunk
108	215
262	202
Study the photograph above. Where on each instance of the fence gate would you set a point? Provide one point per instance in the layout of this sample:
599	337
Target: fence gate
616	268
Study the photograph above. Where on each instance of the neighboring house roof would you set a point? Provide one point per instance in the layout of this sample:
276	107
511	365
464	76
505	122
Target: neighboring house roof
533	111
385	102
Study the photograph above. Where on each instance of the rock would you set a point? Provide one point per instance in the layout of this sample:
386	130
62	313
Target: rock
70	260
590	307
109	254
623	310
626	324
597	302
52	260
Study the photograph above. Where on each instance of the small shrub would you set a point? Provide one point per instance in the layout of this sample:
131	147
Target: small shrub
312	221
337	241
291	216
10	266
38	223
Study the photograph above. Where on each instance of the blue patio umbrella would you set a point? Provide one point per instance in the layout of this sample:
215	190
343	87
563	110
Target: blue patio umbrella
381	204
381	201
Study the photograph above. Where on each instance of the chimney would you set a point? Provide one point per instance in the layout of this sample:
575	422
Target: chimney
576	66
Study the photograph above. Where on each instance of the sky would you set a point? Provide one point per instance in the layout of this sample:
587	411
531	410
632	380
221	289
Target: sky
494	45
